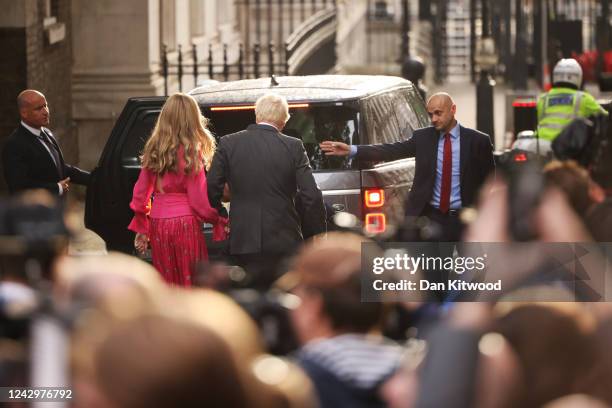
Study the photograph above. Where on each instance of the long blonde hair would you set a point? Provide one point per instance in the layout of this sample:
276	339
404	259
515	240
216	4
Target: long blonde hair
180	123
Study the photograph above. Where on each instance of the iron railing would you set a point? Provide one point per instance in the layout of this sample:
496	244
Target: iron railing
174	64
285	40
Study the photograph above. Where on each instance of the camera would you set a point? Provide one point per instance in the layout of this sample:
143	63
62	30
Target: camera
524	175
32	234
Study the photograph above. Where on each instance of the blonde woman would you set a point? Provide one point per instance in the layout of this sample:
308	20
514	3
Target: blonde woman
174	163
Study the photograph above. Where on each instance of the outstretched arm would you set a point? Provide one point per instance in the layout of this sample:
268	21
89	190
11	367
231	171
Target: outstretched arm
197	194
141	201
335	148
378	152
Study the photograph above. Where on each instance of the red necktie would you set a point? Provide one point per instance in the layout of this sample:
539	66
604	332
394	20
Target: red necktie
447	169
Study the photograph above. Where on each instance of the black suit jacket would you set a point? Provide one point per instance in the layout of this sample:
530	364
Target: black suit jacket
476	163
265	171
27	164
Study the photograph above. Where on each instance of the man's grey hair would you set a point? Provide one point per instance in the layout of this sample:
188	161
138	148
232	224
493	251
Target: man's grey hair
272	108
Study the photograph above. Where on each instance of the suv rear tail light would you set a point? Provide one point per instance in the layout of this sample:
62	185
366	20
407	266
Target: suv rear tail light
374	197
522	103
520	157
375	223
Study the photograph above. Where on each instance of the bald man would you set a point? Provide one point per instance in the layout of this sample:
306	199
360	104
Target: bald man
452	163
32	157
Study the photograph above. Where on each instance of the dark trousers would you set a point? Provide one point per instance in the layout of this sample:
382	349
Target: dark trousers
447	226
261	269
446	229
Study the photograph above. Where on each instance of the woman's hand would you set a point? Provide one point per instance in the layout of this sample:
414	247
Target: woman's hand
221	229
141	242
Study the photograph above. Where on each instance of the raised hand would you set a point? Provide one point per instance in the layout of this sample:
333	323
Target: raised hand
335	148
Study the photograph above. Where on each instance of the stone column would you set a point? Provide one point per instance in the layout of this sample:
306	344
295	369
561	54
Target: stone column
351	34
183	29
116	47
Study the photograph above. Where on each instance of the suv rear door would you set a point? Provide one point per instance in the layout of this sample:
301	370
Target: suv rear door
390	116
107	210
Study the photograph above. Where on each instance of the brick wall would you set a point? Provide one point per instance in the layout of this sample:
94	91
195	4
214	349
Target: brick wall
49	71
12	81
12	78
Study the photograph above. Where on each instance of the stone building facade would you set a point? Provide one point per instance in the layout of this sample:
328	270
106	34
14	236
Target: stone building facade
117	53
88	57
37	53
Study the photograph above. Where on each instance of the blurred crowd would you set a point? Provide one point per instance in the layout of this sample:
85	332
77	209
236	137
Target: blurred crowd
110	328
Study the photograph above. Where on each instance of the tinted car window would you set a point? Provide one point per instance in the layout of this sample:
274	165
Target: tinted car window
381	121
312	125
410	111
393	114
137	137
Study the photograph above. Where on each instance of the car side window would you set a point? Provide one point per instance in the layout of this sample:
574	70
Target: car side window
382	125
393	116
136	138
407	111
418	117
321	123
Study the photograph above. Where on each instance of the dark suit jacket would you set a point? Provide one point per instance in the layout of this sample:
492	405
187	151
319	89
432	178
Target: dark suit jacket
265	171
476	163
27	164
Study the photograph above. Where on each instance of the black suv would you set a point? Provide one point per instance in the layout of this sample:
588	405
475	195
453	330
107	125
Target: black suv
354	109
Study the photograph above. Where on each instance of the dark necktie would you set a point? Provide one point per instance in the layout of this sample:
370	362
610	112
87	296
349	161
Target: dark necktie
447	169
53	150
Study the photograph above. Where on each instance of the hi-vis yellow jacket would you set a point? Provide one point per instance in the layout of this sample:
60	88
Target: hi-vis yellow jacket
559	106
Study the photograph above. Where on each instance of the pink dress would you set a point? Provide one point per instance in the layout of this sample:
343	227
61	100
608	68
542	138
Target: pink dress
174	223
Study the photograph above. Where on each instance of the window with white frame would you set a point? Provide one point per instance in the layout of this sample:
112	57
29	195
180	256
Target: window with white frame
51	11
54	30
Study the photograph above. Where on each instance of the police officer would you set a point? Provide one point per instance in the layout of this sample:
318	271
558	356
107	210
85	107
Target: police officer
565	101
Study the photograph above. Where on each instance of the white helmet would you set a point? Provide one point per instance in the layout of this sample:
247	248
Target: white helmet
568	70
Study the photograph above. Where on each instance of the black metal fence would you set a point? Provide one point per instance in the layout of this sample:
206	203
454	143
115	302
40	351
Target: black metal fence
439	40
272	31
188	64
273	21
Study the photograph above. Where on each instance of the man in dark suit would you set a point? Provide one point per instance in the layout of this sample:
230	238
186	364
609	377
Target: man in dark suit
265	171
452	163
32	157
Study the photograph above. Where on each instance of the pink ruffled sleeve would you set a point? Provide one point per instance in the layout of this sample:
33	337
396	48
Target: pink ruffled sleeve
197	194
141	201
